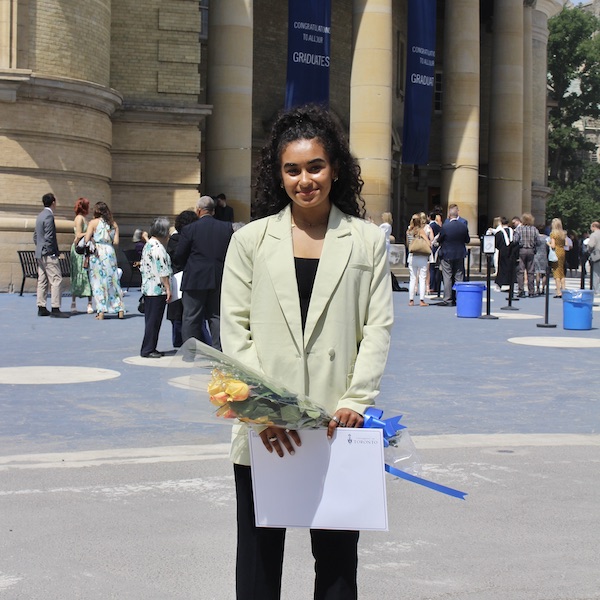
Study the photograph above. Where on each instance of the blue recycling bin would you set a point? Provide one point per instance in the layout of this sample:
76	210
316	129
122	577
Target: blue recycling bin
469	298
577	309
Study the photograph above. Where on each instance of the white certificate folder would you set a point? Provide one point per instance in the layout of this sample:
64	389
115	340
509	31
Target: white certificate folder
325	484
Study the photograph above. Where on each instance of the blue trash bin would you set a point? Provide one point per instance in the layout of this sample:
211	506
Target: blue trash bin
577	309
469	298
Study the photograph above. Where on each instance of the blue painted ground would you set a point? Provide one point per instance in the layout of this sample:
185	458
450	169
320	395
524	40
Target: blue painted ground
445	374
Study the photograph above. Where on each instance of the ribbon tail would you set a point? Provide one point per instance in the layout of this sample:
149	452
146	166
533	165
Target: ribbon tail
424	482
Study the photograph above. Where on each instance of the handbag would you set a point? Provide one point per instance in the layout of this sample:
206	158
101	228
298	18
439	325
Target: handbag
142	304
85	248
80	246
419	246
552	255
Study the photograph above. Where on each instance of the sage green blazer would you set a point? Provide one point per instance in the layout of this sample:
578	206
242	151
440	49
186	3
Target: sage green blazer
340	357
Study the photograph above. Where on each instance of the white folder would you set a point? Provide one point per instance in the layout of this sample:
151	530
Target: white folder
325	484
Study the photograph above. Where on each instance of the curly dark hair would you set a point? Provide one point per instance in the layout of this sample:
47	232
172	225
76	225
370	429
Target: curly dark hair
101	211
185	218
307	123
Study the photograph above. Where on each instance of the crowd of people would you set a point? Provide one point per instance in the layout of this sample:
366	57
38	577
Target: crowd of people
524	252
94	270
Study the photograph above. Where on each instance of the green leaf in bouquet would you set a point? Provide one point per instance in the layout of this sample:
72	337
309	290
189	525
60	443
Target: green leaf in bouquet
290	414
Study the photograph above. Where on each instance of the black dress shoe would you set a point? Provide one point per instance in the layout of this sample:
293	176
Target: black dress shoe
521	295
43	311
443	303
57	314
154	354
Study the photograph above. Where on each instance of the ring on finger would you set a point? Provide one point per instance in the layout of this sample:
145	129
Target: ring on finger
342	424
336	419
273	439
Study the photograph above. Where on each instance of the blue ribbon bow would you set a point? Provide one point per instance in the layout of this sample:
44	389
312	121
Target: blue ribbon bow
391	426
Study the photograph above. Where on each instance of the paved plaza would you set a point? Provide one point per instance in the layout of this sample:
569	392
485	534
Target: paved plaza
113	484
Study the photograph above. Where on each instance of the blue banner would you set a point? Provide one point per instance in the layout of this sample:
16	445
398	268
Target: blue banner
420	81
309	33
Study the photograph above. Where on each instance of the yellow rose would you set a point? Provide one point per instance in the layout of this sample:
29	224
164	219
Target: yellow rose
214	387
237	390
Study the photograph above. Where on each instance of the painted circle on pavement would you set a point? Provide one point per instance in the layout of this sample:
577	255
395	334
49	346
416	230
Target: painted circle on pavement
556	342
44	375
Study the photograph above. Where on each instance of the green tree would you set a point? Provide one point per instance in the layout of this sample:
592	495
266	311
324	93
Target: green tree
574	79
577	203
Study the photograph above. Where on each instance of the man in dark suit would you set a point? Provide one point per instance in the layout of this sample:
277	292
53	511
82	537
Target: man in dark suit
46	253
453	238
201	250
223	212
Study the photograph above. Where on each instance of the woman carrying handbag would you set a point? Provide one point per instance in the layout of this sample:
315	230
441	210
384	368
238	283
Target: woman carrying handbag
419	249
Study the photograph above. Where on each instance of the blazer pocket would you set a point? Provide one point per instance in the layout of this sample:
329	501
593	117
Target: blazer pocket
359	266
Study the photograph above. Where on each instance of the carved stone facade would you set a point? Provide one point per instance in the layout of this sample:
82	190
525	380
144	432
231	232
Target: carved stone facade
131	103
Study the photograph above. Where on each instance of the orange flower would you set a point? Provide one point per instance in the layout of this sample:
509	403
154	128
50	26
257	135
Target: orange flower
237	390
219	399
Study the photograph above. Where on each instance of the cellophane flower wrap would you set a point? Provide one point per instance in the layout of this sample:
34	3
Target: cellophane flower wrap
237	391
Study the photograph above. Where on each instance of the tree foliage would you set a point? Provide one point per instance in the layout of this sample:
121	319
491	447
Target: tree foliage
577	202
574	79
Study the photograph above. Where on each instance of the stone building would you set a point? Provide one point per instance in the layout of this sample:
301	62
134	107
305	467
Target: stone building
143	104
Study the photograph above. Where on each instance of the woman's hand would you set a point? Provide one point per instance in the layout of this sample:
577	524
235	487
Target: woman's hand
344	417
276	438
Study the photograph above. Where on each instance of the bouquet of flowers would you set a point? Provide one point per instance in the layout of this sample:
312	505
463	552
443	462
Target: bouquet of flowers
242	393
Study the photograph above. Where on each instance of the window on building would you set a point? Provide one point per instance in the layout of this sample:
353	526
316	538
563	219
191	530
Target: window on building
203	19
437	93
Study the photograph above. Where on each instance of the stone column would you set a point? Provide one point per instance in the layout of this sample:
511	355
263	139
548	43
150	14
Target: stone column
506	115
460	129
8	31
229	90
539	120
527	102
371	101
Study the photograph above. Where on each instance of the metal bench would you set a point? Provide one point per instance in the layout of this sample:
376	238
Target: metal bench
29	264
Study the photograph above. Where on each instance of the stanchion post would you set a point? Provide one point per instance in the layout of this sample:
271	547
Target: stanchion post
511	288
547	310
489	256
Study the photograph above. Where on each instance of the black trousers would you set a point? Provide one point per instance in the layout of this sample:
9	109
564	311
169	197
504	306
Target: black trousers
200	306
260	554
154	309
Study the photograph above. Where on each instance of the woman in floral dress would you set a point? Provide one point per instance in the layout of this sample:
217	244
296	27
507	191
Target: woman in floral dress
103	229
80	281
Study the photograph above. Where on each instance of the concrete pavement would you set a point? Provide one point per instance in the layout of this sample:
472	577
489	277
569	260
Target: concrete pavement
113	486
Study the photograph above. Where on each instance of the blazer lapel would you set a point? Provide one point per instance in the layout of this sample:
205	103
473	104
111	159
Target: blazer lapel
337	249
279	254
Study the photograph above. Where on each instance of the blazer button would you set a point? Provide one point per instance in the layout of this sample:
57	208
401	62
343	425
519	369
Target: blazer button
331	353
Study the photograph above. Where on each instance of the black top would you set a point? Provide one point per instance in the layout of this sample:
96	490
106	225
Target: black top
306	270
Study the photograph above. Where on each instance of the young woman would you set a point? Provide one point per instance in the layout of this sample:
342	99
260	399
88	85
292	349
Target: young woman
80	281
418	264
103	264
306	293
557	243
